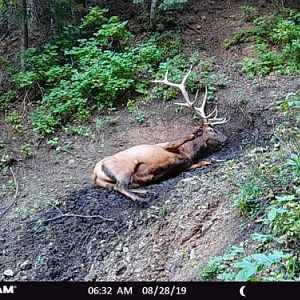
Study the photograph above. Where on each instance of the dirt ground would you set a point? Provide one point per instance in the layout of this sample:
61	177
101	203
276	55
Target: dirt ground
187	220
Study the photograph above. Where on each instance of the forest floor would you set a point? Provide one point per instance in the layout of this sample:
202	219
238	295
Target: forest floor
187	220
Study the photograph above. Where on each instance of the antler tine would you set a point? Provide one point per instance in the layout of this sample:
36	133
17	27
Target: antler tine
186	75
219	121
180	86
199	111
214	112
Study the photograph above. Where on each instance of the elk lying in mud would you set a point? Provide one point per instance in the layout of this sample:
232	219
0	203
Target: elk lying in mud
143	164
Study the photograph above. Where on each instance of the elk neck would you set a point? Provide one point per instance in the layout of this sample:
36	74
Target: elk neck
196	149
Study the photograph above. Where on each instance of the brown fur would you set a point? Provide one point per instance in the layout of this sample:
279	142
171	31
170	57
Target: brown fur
144	164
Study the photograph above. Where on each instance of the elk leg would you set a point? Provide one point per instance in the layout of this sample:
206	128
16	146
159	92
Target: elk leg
173	146
200	164
128	194
103	183
139	191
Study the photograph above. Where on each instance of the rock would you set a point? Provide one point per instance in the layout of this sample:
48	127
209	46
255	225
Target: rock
119	247
26	265
71	162
191	20
198	26
193	255
8	273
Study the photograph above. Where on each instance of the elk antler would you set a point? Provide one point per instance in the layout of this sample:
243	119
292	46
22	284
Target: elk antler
199	111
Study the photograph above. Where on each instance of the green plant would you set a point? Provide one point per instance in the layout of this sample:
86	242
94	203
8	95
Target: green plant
271	266
163	211
53	142
14	120
6	98
108	120
245	202
205	75
294	162
268	192
133	108
78	129
249	12
5	160
26	151
277	43
283	215
92	71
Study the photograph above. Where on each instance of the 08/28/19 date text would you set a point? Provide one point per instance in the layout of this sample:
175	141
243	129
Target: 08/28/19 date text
154	290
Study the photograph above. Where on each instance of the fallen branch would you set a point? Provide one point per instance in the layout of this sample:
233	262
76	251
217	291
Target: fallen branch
77	216
70	152
66	215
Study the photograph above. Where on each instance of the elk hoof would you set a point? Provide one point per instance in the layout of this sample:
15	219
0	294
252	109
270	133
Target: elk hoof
140	191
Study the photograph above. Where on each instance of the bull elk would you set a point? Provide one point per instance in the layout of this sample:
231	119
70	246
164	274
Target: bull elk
127	170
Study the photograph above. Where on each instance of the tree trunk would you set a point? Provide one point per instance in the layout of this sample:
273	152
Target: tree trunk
25	42
152	12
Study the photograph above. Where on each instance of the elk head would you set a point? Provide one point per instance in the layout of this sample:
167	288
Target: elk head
211	137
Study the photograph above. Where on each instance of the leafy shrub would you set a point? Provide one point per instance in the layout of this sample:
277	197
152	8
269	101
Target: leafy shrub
277	44
133	107
268	192
93	72
204	74
26	151
6	98
283	215
104	63
14	120
249	12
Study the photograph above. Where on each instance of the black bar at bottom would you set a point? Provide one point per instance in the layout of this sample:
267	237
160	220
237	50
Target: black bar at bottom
141	290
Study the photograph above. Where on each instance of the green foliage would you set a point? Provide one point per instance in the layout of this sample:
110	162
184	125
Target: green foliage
166	4
268	192
283	215
26	151
78	130
291	101
5	160
53	142
14	121
133	107
245	201
76	76
249	12
108	120
235	265
6	98
204	74
277	44
93	72
172	4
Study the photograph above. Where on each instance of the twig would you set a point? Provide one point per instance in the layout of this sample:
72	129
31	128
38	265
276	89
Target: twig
62	215
15	181
243	112
15	195
41	89
70	152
